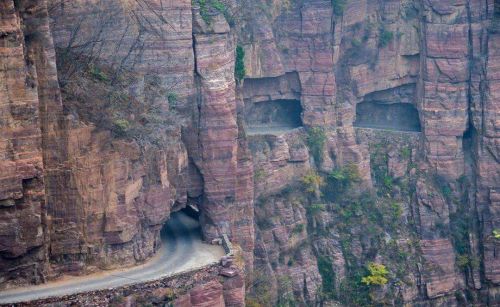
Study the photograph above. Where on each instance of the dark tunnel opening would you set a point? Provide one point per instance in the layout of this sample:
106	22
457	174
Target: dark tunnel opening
189	212
396	116
275	114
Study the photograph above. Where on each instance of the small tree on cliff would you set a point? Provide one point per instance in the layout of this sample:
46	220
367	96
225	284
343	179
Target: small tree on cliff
316	140
313	183
378	275
239	67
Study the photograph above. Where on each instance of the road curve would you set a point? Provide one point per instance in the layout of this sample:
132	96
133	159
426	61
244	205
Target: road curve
182	250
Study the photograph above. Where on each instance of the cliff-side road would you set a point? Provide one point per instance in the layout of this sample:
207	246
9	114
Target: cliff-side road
182	250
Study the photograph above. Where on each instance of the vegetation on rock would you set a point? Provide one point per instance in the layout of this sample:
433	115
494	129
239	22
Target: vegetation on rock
327	276
313	183
210	7
496	234
378	275
239	68
316	140
385	37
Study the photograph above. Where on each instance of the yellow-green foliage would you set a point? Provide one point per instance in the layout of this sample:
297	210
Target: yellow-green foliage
121	126
348	173
313	182
496	234
378	275
250	302
464	261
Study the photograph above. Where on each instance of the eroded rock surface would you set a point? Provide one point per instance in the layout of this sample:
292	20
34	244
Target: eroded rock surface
88	176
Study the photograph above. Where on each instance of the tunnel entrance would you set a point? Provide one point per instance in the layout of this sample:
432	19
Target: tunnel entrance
395	116
273	116
184	222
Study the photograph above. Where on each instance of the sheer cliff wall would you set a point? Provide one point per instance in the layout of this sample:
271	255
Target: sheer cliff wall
116	113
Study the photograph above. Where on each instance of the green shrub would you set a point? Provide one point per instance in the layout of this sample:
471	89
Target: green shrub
219	6
339	7
496	234
385	37
327	276
250	302
121	126
209	6
388	183
172	100
378	275
98	74
315	209
406	152
313	183
340	181
463	261
316	141
239	68
397	210
348	174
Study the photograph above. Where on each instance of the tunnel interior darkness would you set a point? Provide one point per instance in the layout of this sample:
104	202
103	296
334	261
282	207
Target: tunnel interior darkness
274	114
395	116
191	212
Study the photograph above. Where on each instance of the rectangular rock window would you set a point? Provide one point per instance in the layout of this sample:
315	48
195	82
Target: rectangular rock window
275	115
395	116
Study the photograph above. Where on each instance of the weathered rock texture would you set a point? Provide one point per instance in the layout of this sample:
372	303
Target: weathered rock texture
435	55
86	183
77	196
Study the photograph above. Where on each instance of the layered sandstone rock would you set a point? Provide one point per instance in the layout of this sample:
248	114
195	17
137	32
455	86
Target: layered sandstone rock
434	55
216	145
74	196
25	75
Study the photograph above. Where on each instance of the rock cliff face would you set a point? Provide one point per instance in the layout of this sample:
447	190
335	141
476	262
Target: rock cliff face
94	157
116	113
433	55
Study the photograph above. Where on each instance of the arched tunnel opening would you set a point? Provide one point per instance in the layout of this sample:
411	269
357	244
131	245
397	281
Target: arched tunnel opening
394	116
275	115
183	223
